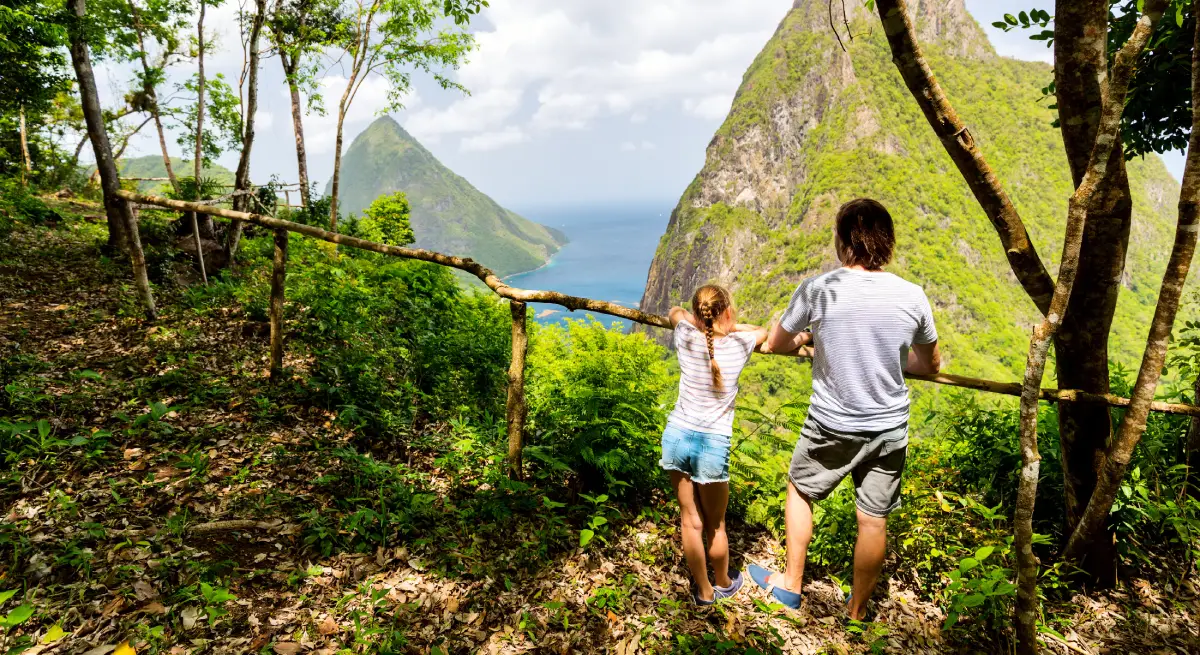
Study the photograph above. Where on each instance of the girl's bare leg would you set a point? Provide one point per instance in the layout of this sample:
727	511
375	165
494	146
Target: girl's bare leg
691	528
713	499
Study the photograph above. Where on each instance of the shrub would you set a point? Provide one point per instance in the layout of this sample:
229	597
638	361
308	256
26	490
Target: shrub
596	404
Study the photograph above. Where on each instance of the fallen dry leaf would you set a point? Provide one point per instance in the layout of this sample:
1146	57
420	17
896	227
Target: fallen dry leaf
287	648
328	626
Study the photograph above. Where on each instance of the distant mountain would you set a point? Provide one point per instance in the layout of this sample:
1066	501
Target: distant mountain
448	214
152	166
812	127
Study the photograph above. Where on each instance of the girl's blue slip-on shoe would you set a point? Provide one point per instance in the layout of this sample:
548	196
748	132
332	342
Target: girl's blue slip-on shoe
735	585
704	603
761	576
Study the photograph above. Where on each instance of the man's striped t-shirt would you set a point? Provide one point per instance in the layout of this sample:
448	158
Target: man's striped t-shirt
863	324
701	407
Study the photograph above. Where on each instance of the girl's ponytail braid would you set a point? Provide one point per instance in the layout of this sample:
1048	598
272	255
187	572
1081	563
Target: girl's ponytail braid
709	303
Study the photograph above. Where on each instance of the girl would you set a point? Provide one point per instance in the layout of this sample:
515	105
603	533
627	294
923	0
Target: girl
712	351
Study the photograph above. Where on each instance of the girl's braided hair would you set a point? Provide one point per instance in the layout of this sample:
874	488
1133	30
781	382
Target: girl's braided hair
709	302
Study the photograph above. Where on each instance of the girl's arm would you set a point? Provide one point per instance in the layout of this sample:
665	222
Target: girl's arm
678	314
760	333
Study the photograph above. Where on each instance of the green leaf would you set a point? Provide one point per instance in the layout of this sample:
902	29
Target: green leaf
90	375
1000	25
53	634
43	427
1024	17
968	564
984	552
974	600
18	616
585	536
5	595
1012	20
598	521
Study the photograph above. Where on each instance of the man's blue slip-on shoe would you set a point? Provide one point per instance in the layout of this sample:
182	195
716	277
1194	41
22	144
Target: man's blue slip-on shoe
761	576
735	586
704	603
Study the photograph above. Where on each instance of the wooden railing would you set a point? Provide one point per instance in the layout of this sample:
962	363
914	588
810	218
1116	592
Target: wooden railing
516	406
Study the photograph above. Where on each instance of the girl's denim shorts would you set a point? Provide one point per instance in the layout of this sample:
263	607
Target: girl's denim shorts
702	456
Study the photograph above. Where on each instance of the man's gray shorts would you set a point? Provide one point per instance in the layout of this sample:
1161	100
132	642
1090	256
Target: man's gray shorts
824	457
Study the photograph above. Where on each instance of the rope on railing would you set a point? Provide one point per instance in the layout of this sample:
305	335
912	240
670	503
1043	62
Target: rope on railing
518	297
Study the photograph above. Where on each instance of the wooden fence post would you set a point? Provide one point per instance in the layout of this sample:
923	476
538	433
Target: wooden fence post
278	277
517	410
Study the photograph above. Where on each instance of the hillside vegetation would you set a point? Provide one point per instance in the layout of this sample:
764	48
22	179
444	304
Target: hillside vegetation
448	214
812	127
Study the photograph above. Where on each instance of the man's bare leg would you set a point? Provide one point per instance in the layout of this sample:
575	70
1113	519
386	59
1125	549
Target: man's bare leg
799	518
869	552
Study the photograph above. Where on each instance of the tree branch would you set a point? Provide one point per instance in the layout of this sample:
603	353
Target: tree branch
960	145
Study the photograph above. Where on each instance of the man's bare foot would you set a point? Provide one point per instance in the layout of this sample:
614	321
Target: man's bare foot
779	581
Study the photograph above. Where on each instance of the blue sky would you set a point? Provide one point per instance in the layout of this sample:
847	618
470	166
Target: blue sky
572	102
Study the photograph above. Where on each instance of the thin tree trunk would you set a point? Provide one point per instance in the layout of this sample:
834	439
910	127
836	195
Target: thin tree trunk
278	283
123	229
290	68
25	142
1192	445
1108	134
337	154
1092	524
1081	345
242	177
517	409
152	95
129	137
79	150
961	146
199	136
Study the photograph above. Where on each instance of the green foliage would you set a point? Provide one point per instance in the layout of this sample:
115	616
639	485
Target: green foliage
222	118
596	405
1158	114
386	220
17	204
447	213
391	338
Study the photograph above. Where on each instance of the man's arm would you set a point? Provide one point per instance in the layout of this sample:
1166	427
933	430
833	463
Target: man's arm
924	359
780	340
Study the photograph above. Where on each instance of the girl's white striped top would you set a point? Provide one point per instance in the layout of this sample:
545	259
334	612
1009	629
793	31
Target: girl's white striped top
700	406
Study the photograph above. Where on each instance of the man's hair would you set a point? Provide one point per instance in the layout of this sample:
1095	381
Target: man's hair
865	230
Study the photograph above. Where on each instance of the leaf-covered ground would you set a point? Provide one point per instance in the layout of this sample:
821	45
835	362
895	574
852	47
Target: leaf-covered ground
159	493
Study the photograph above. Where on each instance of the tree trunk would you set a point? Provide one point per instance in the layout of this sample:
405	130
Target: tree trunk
123	229
199	136
241	182
278	283
1193	444
290	68
337	154
1081	346
24	142
516	408
152	96
1092	526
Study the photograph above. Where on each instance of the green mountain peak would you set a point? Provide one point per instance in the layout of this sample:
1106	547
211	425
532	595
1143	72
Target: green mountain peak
813	126
449	215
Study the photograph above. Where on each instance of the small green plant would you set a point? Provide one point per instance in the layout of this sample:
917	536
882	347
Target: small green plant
597	523
980	586
16	616
215	599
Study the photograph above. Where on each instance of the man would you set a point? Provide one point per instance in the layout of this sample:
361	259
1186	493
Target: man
868	327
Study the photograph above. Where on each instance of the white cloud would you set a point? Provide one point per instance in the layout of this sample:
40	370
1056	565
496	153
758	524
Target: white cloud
628	146
493	140
581	62
263	120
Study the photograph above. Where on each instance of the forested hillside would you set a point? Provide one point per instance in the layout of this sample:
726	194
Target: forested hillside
152	166
448	214
813	126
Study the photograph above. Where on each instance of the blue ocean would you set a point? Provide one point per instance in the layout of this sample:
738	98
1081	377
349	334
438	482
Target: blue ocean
608	257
